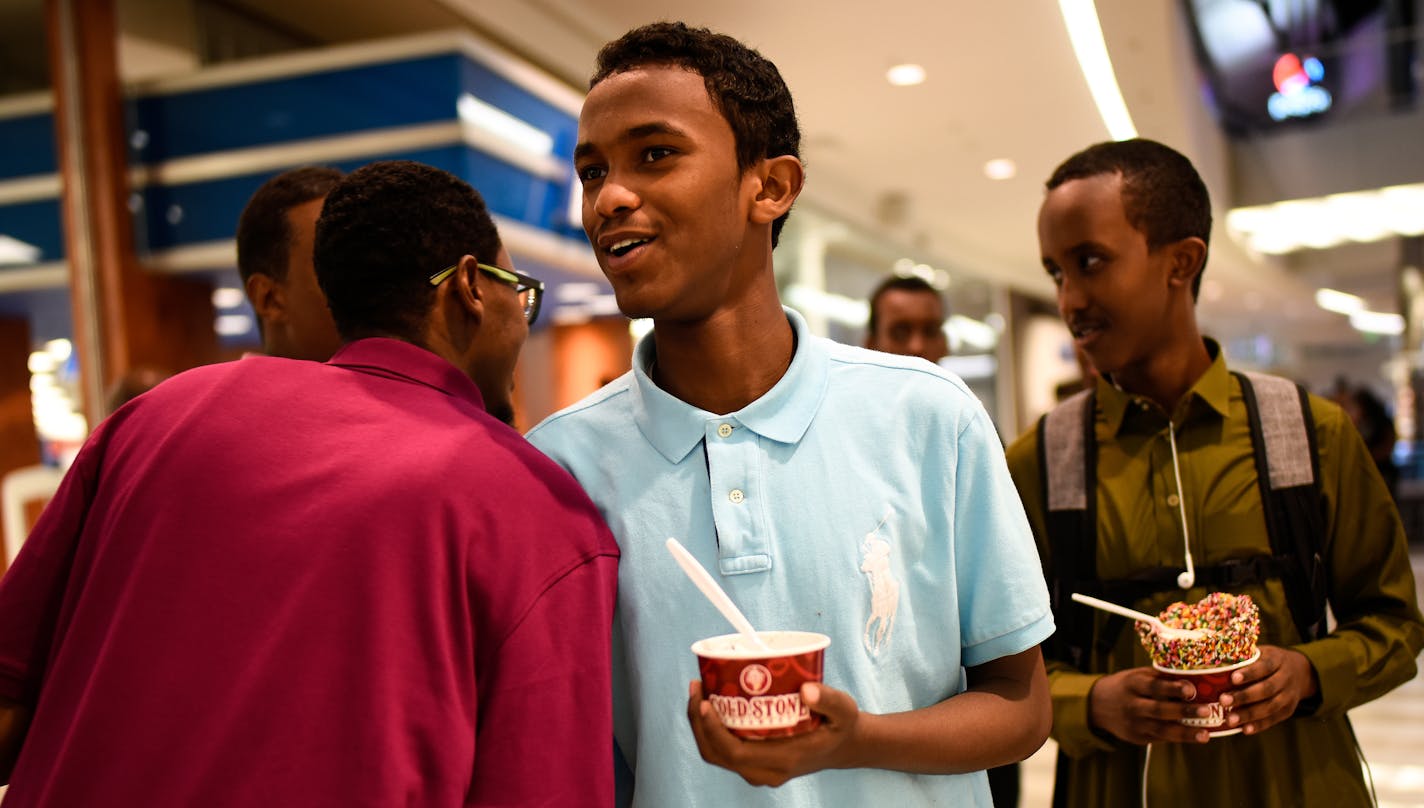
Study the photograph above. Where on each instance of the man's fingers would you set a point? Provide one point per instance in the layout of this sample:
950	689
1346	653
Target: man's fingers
836	706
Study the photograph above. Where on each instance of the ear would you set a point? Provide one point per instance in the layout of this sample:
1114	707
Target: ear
468	288
780	180
1186	257
268	297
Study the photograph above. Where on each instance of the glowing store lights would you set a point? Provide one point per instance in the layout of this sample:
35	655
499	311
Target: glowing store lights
1378	322
1327	221
54	399
1298	94
1370	322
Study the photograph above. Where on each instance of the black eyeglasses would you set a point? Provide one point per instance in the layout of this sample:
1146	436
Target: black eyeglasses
531	292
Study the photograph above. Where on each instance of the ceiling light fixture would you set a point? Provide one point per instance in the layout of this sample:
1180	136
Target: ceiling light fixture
1338	302
1000	168
1086	34
1326	221
1377	322
906	75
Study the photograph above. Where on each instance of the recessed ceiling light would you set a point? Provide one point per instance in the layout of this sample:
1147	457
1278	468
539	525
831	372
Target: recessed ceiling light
1001	168
906	75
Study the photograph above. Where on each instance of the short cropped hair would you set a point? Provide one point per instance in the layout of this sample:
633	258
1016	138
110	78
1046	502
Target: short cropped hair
899	283
263	233
1162	193
383	232
744	85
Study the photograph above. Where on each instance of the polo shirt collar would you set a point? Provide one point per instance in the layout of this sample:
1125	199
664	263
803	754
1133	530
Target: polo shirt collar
409	362
1213	389
782	414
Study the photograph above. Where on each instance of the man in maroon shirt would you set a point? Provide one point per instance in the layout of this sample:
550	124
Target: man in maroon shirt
272	582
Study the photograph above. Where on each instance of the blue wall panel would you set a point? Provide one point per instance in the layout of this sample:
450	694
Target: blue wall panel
313	105
28	146
36	223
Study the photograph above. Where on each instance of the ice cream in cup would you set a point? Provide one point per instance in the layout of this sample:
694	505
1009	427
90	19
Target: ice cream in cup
1232	624
1210	683
756	692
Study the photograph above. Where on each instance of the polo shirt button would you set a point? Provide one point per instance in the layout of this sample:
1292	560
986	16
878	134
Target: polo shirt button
1173	499
725	430
736	496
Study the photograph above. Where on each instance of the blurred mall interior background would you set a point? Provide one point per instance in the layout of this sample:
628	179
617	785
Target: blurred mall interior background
134	130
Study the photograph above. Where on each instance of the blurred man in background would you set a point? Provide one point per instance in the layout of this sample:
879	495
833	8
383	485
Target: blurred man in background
907	317
274	257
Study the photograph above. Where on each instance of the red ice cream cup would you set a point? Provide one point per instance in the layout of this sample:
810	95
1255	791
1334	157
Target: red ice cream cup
758	694
1210	683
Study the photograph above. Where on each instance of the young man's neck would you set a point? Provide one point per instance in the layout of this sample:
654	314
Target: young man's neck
727	361
1170	373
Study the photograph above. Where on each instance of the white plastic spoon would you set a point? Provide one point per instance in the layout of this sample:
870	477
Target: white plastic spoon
1168	632
714	593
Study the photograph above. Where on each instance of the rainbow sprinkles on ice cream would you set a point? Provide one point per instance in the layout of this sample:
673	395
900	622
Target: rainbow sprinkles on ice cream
1232	622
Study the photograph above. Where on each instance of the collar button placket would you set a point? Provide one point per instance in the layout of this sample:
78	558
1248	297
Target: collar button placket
732	465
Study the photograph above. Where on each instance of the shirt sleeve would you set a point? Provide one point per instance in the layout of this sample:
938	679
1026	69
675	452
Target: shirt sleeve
32	590
1003	599
545	734
1068	686
1378	631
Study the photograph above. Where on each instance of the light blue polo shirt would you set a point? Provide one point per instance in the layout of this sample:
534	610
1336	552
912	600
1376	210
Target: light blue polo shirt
865	496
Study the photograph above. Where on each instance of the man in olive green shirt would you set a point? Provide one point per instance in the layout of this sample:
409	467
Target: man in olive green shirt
1123	232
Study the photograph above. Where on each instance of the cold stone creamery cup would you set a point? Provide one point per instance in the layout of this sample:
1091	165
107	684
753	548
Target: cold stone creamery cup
1210	684
756	694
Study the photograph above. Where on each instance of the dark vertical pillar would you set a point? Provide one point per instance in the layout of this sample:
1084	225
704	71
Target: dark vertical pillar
123	316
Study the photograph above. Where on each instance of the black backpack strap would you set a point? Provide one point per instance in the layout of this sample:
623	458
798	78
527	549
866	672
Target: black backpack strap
1288	471
1067	455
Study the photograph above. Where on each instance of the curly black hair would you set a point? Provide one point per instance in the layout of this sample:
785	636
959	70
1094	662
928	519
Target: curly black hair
1162	193
746	87
383	232
263	232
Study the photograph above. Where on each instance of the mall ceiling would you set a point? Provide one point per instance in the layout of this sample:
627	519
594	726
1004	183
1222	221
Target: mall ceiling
909	162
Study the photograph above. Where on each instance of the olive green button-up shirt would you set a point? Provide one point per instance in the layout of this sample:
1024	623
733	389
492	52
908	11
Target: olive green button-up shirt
1307	760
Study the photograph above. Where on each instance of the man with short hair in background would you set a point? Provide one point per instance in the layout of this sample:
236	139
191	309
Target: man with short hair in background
907	318
270	582
274	257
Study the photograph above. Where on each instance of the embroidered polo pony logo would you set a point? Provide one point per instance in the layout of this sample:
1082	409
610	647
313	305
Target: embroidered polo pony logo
884	589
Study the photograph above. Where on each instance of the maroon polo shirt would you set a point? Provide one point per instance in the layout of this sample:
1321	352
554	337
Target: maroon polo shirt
274	582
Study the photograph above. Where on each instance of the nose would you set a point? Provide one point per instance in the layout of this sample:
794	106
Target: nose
1070	295
614	198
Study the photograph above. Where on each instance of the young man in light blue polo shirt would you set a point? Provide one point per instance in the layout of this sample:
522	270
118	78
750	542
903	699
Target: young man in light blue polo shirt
829	488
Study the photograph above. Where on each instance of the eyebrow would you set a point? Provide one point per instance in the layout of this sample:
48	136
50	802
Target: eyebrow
634	133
